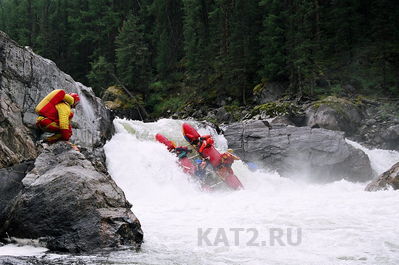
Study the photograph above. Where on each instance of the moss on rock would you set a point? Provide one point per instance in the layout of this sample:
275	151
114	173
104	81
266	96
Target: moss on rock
115	98
273	109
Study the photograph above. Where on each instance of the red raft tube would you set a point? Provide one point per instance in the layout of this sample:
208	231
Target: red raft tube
221	162
184	161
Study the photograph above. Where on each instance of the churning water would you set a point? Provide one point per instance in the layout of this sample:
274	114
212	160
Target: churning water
336	223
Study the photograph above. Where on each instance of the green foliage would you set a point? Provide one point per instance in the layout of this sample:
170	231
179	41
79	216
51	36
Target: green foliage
116	98
273	109
388	110
168	32
167	106
273	58
258	89
336	89
211	51
100	75
132	56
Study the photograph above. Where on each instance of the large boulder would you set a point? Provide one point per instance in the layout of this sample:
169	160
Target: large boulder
70	206
391	137
336	114
318	154
387	180
25	79
68	199
11	184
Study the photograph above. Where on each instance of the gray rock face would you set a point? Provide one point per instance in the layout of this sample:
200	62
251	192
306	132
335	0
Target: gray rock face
69	202
388	179
391	137
318	154
25	79
335	114
11	184
70	206
222	116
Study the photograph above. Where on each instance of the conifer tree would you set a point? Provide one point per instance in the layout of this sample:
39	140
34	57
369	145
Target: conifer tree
132	56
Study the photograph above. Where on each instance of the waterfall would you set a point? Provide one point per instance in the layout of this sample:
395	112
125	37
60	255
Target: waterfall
86	119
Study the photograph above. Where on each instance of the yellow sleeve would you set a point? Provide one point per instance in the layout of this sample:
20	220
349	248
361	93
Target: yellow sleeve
64	110
69	99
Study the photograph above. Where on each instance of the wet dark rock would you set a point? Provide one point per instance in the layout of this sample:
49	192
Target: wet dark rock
222	116
349	89
379	127
391	137
11	184
387	180
268	92
282	120
70	206
293	119
19	261
319	154
371	122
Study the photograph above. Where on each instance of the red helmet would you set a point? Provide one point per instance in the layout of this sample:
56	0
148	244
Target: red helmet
210	141
76	98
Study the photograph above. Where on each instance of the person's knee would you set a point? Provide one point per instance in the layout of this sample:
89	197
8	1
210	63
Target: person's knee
47	125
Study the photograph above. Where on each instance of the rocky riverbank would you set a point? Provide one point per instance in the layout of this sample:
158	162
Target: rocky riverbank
62	197
369	121
307	136
387	180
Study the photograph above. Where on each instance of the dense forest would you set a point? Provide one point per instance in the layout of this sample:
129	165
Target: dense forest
170	52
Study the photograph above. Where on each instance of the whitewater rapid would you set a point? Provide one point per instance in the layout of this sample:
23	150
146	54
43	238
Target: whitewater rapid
340	223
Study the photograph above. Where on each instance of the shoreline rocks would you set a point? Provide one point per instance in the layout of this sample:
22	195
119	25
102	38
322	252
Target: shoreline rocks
67	200
388	179
70	206
319	154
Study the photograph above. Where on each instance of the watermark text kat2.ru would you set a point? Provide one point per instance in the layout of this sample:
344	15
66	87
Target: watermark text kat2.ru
252	237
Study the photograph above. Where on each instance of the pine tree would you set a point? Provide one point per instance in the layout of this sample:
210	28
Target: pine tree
272	41
168	33
101	75
132	63
197	43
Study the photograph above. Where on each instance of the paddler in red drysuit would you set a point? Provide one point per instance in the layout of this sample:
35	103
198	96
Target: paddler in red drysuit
226	161
55	114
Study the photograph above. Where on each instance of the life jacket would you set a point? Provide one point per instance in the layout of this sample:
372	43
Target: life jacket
46	107
181	151
227	159
205	141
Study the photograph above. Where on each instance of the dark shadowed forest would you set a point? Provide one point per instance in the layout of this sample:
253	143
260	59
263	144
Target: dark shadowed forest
168	53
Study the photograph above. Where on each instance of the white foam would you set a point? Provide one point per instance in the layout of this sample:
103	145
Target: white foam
380	160
341	224
17	250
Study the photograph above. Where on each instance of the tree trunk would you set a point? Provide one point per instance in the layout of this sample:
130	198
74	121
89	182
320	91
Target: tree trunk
317	17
